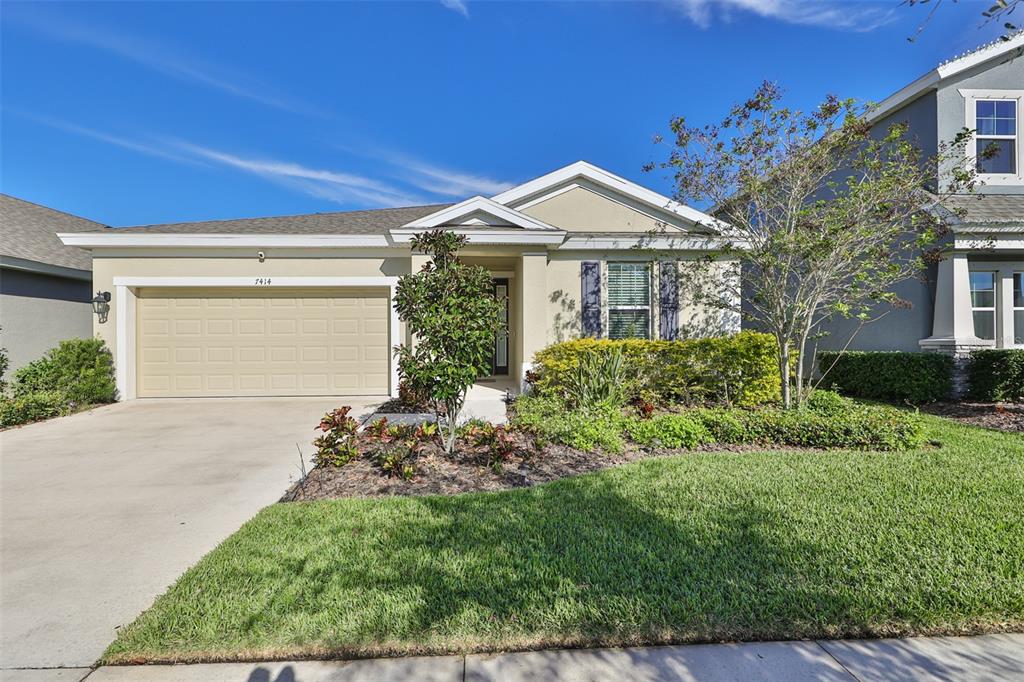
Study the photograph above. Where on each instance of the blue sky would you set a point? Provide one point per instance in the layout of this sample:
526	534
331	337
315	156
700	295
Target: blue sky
138	113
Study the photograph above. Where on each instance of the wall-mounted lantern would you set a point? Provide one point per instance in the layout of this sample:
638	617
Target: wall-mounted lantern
101	305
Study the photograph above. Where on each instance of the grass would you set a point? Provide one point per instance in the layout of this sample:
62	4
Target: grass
699	547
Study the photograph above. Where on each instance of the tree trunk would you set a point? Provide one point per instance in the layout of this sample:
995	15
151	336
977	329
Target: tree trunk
784	374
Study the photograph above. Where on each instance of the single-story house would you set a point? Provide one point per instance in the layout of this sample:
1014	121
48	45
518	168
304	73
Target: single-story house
45	286
301	305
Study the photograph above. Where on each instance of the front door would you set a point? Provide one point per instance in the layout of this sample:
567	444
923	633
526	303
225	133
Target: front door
499	361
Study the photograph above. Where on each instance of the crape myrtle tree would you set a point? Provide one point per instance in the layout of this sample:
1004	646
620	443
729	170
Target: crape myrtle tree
824	214
450	310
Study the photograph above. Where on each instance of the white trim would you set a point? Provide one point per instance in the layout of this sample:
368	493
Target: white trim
599	176
404	235
931	79
125	308
142	239
447	216
258	282
993	243
648	243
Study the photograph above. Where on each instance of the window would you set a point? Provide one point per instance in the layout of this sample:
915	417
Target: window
996	137
983	304
1018	308
629	300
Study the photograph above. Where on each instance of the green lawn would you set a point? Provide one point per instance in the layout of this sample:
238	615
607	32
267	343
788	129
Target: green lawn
696	547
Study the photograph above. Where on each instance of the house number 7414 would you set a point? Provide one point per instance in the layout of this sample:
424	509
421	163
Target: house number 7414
262	281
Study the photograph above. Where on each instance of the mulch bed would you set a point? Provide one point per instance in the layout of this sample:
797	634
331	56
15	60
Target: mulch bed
468	470
1000	416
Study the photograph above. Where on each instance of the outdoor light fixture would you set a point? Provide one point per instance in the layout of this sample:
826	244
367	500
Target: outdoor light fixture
101	305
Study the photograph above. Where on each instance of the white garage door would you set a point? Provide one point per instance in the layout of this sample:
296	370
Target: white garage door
259	342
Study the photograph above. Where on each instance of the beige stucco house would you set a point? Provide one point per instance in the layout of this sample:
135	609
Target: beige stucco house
301	305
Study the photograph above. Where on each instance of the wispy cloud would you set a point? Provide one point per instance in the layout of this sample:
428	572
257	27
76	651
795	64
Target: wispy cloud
457	6
846	16
332	185
426	176
169	60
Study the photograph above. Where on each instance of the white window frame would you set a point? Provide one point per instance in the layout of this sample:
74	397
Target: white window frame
1014	309
971	99
980	309
651	332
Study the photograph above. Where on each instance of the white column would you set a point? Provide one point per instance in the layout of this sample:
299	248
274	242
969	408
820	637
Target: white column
1004	307
953	322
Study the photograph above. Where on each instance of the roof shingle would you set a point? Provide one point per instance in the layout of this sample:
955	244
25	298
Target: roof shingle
987	209
375	221
29	231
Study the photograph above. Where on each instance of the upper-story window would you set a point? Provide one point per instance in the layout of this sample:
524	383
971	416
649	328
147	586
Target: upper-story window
996	139
998	145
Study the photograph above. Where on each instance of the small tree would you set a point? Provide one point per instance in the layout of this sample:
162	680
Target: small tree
825	213
453	316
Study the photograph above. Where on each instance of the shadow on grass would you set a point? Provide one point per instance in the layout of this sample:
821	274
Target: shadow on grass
563	565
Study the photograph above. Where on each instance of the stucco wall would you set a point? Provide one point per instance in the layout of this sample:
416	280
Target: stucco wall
31	326
37	311
564	292
589	208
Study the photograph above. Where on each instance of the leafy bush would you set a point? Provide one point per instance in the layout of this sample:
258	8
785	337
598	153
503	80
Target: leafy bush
668	431
32	407
5	362
729	370
996	375
81	369
601	426
599	378
828	403
859	427
336	445
883	375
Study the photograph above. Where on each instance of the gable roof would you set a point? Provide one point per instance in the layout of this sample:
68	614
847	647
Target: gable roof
452	215
1011	46
28	232
522	195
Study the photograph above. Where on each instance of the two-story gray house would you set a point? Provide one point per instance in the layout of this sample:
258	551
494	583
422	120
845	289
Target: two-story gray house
974	298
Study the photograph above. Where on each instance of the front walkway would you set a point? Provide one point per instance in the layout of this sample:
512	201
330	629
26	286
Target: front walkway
990	657
101	511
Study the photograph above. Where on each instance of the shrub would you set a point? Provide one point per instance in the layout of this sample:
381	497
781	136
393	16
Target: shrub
32	407
668	431
599	378
600	426
828	403
81	369
996	375
336	445
883	375
737	370
859	427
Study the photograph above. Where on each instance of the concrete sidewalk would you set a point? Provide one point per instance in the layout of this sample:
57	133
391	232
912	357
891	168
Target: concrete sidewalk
988	657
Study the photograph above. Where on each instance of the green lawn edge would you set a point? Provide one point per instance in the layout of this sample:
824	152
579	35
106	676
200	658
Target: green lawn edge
694	548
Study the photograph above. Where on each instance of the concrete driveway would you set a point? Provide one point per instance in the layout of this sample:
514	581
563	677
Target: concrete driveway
101	511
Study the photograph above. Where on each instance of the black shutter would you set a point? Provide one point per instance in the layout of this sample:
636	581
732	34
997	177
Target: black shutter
590	280
668	299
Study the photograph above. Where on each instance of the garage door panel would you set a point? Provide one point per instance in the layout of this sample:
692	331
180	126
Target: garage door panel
221	342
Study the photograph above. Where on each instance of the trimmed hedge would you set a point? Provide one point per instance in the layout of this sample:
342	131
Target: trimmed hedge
996	375
884	375
828	421
728	370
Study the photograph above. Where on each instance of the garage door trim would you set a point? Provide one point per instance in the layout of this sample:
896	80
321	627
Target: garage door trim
125	306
